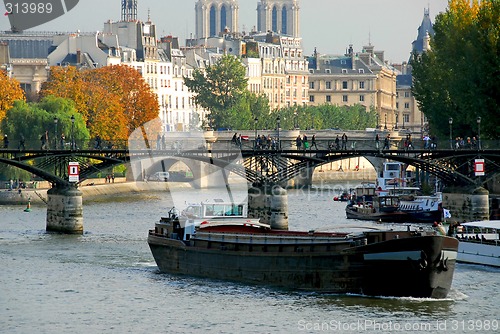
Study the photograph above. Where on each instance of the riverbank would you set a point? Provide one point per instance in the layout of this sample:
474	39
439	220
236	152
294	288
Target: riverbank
98	191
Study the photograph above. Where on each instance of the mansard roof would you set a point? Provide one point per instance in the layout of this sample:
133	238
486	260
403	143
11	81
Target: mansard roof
404	81
329	64
424	29
28	48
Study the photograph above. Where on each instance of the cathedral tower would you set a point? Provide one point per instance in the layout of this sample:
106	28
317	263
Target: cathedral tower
129	10
279	16
214	16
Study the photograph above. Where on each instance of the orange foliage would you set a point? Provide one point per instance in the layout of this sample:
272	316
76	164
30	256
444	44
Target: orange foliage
140	104
10	91
114	100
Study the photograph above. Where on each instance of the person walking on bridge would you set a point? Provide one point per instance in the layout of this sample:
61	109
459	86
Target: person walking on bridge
21	143
337	143
298	142
344	141
313	142
44	139
5	141
386	141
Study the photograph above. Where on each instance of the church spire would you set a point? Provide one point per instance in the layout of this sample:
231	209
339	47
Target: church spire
129	10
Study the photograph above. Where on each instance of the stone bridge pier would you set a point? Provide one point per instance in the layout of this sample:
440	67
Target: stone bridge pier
65	210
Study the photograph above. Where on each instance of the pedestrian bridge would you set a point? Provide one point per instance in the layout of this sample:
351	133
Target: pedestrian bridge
257	165
260	166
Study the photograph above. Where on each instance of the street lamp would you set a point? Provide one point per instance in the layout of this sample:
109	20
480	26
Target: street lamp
295	120
55	132
385	124
479	132
278	120
450	121
377	116
72	132
255	128
397	119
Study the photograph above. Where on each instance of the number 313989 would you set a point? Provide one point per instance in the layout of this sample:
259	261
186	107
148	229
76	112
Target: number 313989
29	8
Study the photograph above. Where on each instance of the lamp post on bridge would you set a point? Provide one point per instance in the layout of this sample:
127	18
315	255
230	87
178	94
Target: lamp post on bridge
55	132
278	121
255	128
385	124
479	132
72	132
377	116
450	121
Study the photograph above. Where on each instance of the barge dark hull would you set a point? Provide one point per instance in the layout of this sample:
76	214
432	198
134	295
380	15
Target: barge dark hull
393	217
420	266
397	216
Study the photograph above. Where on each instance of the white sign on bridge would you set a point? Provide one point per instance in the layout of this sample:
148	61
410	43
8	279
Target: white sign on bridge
479	167
74	171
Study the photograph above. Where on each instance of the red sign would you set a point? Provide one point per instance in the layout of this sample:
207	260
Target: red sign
479	167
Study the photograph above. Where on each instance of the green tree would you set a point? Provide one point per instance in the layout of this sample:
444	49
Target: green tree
459	76
31	120
219	88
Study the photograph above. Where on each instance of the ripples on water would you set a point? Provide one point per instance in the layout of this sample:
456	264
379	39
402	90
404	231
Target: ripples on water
106	281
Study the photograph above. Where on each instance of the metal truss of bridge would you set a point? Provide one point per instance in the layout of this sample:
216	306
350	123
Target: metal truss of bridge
453	167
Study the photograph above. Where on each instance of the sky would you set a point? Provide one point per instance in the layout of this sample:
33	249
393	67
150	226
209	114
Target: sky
328	25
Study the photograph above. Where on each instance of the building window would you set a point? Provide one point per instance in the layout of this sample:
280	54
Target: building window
361	98
311	71
328	85
361	85
311	85
344	98
344	71
328	71
344	84
397	105
311	98
361	70
406	118
407	105
407	94
328	98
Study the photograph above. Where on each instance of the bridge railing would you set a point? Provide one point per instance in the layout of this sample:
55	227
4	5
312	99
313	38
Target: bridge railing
287	144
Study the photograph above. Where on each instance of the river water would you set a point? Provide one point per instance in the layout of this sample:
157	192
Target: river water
106	281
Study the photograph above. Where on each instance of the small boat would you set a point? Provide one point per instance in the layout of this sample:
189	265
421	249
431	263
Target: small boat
373	262
379	208
479	242
343	197
421	208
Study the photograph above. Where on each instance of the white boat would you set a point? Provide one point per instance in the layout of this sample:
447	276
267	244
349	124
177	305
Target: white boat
479	242
212	213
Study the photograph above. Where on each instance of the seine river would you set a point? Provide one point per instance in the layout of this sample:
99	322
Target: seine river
106	281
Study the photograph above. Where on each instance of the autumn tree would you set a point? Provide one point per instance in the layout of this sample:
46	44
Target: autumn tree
113	100
219	88
10	91
459	76
139	103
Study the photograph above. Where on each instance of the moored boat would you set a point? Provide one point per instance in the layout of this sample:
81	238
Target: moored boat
479	242
373	262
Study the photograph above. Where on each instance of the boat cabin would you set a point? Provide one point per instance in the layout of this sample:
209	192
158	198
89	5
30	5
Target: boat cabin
486	232
215	209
